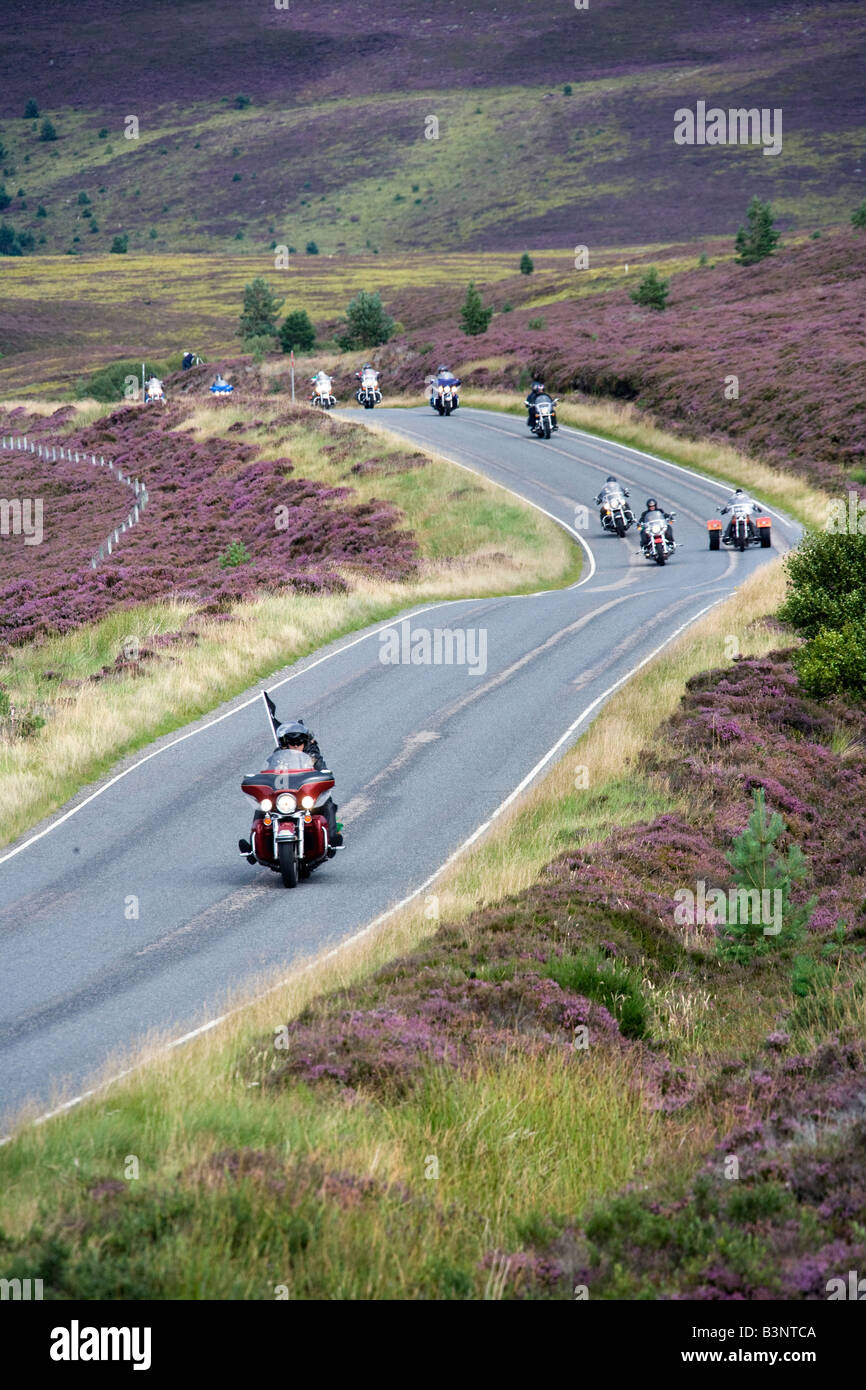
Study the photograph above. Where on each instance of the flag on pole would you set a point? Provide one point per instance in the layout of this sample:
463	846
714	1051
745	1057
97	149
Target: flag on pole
273	719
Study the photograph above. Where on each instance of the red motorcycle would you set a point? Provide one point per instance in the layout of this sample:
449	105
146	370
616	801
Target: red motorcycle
290	836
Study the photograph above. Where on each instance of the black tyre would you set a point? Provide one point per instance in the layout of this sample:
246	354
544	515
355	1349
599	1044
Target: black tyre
741	541
715	540
766	540
368	405
288	856
620	526
447	408
547	429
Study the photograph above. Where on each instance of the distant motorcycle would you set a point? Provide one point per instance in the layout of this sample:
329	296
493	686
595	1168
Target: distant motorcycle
444	398
290	836
616	515
655	543
154	391
544	423
321	394
745	530
368	394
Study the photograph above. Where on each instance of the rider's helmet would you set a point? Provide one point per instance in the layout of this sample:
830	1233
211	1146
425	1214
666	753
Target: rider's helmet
610	478
538	385
740	492
651	504
443	367
293	733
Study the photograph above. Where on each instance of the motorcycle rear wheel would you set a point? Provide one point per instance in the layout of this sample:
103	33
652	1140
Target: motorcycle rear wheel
287	854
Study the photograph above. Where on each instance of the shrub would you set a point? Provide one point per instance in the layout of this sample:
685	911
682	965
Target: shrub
13	243
474	316
758	240
759	866
652	292
120	245
5	199
858	217
103	134
47	131
527	264
261	307
40	211
237	554
535	324
83	199
826	582
312	249
297	332
31	110
566	91
834	661
366	324
242	101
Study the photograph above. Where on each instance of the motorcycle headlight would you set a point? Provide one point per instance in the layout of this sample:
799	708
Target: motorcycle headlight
266	805
308	802
286	802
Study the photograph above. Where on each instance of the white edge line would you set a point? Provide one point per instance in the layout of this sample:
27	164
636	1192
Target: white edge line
389	912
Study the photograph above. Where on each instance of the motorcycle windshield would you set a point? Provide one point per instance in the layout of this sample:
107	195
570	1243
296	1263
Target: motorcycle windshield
543	400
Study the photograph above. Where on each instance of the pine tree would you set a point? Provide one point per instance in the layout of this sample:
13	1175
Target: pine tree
652	292
526	264
759	239
759	866
297	332
475	318
858	217
261	307
366	325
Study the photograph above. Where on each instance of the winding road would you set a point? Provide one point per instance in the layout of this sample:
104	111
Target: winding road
425	756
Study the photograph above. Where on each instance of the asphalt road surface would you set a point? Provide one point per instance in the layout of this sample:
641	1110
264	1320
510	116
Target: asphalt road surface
424	755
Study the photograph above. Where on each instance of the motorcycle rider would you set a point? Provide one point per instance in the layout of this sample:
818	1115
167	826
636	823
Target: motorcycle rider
611	489
740	498
538	390
321	384
654	512
445	377
297	739
367	376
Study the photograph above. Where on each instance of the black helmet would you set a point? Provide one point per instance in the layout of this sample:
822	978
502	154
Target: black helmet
538	385
651	504
443	367
295	732
739	489
610	478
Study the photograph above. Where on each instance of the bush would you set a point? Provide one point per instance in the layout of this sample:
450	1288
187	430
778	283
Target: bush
474	317
83	199
261	307
242	101
535	324
834	661
103	134
5	199
31	110
47	131
237	554
527	264
758	240
759	866
858	217
312	249
108	383
120	245
652	292
826	582
366	324
297	332
13	243
40	211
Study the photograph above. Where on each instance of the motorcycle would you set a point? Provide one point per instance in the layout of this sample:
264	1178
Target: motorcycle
324	400
744	530
444	398
616	514
222	388
291	836
655	543
368	394
154	391
544	424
